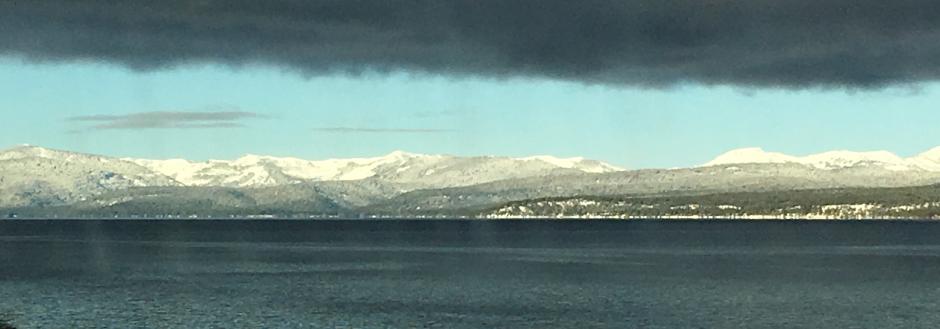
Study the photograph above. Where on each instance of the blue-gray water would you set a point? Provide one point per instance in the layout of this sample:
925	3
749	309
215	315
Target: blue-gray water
453	274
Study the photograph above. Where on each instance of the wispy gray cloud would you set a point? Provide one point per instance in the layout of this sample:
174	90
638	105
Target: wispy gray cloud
165	120
355	130
748	43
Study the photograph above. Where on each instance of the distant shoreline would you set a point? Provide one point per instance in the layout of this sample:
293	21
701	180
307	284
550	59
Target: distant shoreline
515	219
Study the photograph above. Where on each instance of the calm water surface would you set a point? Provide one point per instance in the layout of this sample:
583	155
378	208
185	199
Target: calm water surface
457	274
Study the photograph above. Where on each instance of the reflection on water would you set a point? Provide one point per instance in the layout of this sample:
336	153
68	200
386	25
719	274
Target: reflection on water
450	274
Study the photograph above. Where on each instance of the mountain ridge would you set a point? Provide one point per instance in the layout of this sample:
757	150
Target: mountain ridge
405	184
64	177
928	160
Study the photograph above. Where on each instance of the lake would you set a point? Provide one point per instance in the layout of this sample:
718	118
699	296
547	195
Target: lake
469	274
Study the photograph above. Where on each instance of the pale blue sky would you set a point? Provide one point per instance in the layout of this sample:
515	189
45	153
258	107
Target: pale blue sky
631	127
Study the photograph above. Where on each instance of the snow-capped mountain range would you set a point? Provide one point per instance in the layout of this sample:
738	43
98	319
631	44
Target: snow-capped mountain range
261	171
926	161
37	177
398	166
40	176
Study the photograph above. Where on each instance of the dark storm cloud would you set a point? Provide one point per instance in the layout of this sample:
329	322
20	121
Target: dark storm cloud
356	130
166	120
760	43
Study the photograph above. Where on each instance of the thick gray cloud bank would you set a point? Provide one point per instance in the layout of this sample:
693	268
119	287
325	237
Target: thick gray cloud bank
750	43
166	120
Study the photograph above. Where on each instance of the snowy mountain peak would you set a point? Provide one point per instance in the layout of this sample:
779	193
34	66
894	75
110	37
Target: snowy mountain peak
403	155
30	151
252	159
254	170
931	154
845	159
578	163
34	175
929	160
27	149
750	155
